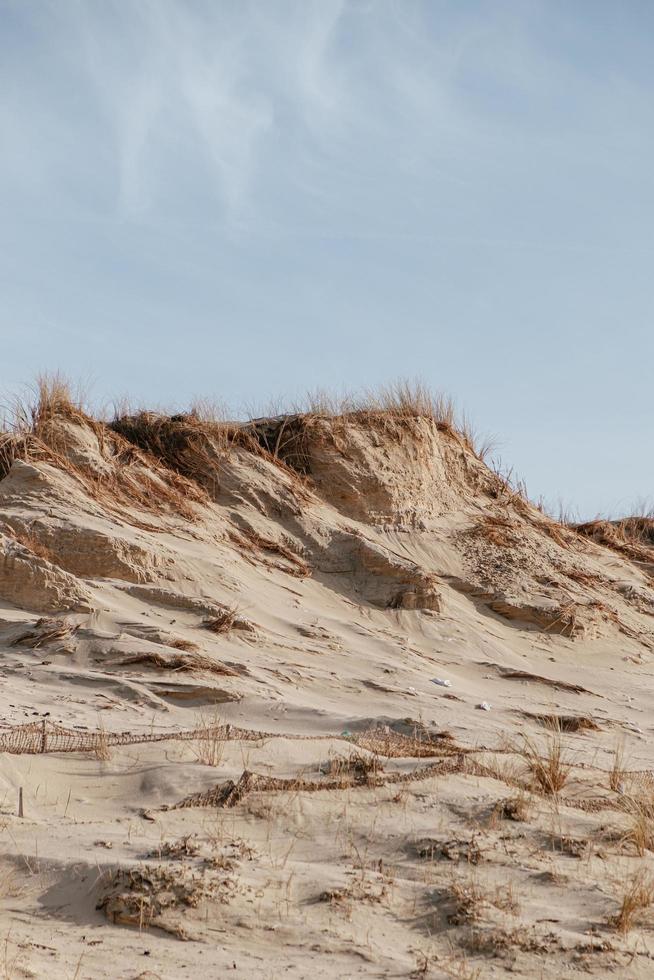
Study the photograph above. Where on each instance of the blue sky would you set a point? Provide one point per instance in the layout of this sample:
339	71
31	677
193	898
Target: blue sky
246	199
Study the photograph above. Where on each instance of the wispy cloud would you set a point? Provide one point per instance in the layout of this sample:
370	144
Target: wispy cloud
257	110
146	99
462	185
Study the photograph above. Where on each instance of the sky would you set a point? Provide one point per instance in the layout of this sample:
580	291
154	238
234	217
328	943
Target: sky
247	199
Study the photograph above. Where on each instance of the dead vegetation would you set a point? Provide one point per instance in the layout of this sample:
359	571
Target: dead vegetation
588	580
39	430
470	899
28	539
226	620
353	767
498	941
392	409
195	445
190	661
640	823
178	643
618	769
514	808
637	898
44	631
631	537
564	723
455	966
364	886
153	895
250	540
517	674
184	847
547	765
188	444
456	849
402	399
209	744
499	531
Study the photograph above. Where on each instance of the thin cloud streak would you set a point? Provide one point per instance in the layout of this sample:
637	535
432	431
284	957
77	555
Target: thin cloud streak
401	186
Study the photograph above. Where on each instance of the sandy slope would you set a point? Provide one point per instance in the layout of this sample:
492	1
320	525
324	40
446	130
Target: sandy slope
393	558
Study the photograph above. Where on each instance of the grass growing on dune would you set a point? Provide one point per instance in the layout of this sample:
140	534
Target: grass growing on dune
36	428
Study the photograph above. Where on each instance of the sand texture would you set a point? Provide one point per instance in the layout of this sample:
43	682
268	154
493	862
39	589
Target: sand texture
315	697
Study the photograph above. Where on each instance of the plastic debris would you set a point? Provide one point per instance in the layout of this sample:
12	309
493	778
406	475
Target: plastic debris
441	681
484	706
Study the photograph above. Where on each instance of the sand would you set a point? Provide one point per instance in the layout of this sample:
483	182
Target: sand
358	610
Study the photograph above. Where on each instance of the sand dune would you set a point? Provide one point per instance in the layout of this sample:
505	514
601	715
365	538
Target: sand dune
346	704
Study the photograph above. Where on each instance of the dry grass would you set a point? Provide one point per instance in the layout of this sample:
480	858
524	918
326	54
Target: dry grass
188	444
44	631
618	769
514	808
496	942
195	444
209	746
589	580
457	849
10	883
156	895
505	898
184	847
547	765
557	532
191	662
252	541
179	456
402	399
632	537
469	900
29	540
390	407
564	723
456	966
499	531
49	396
178	643
225	621
35	431
640	828
354	765
638	896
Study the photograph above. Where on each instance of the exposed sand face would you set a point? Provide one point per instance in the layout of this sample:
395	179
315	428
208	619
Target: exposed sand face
326	605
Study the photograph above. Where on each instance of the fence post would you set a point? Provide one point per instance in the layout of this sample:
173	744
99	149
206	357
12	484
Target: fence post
20	801
44	737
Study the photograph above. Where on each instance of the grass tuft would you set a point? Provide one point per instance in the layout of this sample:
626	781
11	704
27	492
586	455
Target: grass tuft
547	765
226	620
209	745
638	896
640	829
618	769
